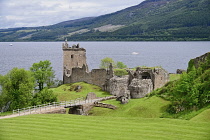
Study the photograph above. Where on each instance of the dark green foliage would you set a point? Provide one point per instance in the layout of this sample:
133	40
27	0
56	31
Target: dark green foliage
43	97
190	65
191	91
17	88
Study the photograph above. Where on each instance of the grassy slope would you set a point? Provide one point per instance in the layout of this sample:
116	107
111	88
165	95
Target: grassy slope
145	107
174	77
203	116
59	126
65	93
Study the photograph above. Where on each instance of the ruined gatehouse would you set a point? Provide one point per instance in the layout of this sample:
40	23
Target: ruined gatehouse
137	84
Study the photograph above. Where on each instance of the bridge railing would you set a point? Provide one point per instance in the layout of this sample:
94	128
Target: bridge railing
43	107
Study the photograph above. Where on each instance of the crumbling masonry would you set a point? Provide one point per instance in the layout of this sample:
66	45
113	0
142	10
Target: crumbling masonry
75	68
135	85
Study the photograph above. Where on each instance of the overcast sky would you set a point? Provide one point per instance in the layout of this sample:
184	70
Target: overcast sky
30	13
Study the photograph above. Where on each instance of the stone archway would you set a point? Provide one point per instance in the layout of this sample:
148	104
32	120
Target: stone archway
145	75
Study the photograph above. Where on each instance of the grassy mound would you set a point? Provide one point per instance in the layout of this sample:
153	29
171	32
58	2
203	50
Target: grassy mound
70	92
203	116
145	107
59	126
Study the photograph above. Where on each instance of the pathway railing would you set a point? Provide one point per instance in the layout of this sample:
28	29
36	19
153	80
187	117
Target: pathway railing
44	107
49	106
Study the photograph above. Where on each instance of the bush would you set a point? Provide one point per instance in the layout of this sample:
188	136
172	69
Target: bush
105	63
121	65
120	72
44	96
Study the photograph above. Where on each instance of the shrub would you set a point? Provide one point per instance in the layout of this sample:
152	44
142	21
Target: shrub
120	72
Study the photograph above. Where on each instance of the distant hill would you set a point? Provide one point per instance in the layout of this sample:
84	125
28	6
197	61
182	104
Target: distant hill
150	20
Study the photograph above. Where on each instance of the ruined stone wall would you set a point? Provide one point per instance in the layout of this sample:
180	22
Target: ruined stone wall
96	76
118	86
139	88
144	80
161	77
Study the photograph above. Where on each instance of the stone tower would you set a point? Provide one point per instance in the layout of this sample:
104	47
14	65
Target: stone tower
73	57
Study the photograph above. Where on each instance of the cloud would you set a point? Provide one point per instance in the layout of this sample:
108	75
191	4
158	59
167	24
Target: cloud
25	13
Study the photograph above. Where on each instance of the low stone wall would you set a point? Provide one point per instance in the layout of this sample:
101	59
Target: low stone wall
98	104
96	76
55	111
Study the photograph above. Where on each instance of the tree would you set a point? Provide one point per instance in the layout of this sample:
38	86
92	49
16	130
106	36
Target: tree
17	88
44	96
106	62
120	72
121	65
43	74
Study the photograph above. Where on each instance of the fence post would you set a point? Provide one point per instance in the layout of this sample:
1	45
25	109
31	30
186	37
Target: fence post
39	108
54	104
35	109
12	111
50	106
30	110
19	111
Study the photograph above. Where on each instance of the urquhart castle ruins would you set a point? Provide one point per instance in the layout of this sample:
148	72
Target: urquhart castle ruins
137	84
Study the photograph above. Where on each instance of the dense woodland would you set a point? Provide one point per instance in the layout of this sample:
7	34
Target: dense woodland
161	20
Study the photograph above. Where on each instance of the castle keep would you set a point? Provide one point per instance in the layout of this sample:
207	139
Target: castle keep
73	57
135	85
75	68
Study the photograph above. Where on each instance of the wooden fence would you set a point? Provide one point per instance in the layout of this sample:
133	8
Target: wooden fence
49	106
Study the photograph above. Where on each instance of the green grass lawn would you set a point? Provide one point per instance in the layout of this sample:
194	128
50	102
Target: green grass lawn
67	92
73	127
145	107
174	77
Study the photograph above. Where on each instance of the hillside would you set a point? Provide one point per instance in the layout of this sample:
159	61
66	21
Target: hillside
150	20
68	92
202	117
190	93
144	108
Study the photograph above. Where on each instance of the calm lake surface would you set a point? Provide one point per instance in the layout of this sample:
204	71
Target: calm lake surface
169	55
